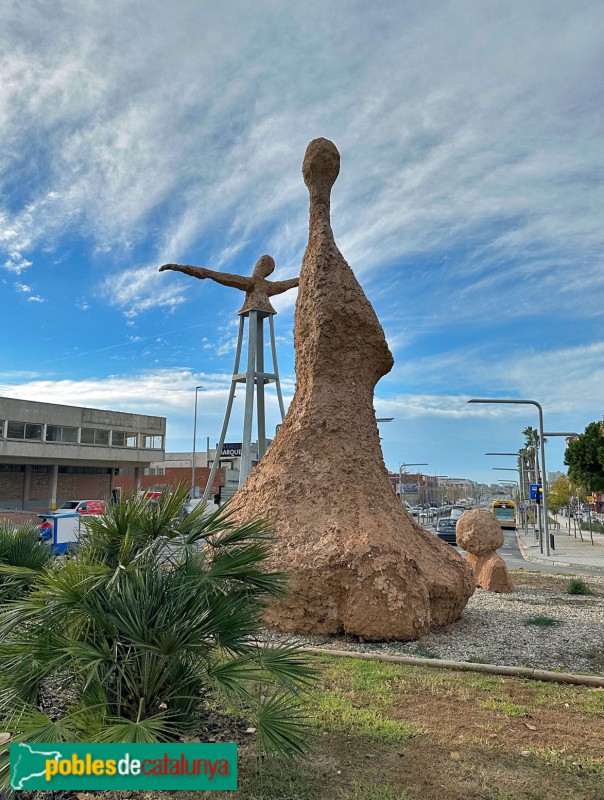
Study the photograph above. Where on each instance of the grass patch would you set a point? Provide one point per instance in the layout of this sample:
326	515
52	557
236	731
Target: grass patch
377	678
369	791
541	621
474	732
570	763
336	712
578	586
506	707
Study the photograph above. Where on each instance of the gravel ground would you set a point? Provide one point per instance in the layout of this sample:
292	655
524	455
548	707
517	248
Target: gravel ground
494	629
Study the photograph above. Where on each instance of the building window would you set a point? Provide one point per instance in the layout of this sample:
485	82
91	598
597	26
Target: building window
30	431
123	439
59	433
152	441
154	471
1	427
94	436
85	470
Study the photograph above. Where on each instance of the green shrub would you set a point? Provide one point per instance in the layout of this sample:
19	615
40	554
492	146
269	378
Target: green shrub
542	622
577	586
152	621
22	557
596	527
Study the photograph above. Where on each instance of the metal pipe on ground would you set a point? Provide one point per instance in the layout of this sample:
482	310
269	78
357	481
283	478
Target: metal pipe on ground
467	666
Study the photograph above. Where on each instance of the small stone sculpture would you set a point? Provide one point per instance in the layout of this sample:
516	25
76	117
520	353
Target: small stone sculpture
356	561
257	289
479	532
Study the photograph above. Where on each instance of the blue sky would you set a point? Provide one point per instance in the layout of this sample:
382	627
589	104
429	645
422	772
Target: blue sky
470	204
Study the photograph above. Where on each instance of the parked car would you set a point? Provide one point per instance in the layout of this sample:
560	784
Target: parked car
211	505
82	507
445	530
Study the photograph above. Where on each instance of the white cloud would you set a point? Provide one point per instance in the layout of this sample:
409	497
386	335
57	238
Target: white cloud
564	380
459	126
35	298
17	263
159	392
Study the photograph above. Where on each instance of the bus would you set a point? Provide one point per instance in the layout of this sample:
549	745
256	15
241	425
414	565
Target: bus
505	511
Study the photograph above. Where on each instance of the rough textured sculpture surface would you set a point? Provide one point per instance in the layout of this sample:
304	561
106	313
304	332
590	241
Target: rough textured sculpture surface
257	289
356	561
479	532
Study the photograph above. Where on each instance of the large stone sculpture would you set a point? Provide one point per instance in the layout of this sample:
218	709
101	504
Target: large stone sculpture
479	532
356	561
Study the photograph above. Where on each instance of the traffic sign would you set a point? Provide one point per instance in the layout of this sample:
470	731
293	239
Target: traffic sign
536	491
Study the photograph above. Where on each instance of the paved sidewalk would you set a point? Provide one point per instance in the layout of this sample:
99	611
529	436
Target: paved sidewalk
569	551
18	517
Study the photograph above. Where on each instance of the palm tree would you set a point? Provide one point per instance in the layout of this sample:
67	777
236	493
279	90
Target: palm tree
531	447
22	557
148	624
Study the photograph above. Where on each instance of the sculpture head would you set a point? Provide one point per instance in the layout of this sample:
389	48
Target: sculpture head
321	166
264	266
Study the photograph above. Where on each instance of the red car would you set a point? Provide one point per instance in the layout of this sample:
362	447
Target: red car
82	507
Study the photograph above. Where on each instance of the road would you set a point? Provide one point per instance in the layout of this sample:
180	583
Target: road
510	552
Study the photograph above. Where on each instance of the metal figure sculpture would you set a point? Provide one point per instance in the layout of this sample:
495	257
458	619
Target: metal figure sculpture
256	308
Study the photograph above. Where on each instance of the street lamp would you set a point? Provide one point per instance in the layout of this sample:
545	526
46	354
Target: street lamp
400	476
439	494
384	419
193	494
510	483
542	447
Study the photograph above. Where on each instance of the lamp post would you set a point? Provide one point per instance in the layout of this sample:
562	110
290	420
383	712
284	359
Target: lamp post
509	483
400	477
544	471
197	388
384	419
511	469
439	494
520	472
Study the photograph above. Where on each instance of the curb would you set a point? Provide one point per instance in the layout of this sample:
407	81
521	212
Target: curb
466	666
539	560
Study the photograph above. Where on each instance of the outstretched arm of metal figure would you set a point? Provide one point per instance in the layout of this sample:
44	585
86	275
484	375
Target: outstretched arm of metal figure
225	278
277	287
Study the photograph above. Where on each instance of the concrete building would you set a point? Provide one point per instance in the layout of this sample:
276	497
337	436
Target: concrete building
51	453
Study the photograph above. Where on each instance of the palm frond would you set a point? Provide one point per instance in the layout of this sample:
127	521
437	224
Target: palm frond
283	727
158	728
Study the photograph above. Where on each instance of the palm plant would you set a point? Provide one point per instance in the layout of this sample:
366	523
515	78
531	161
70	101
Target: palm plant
22	557
151	621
